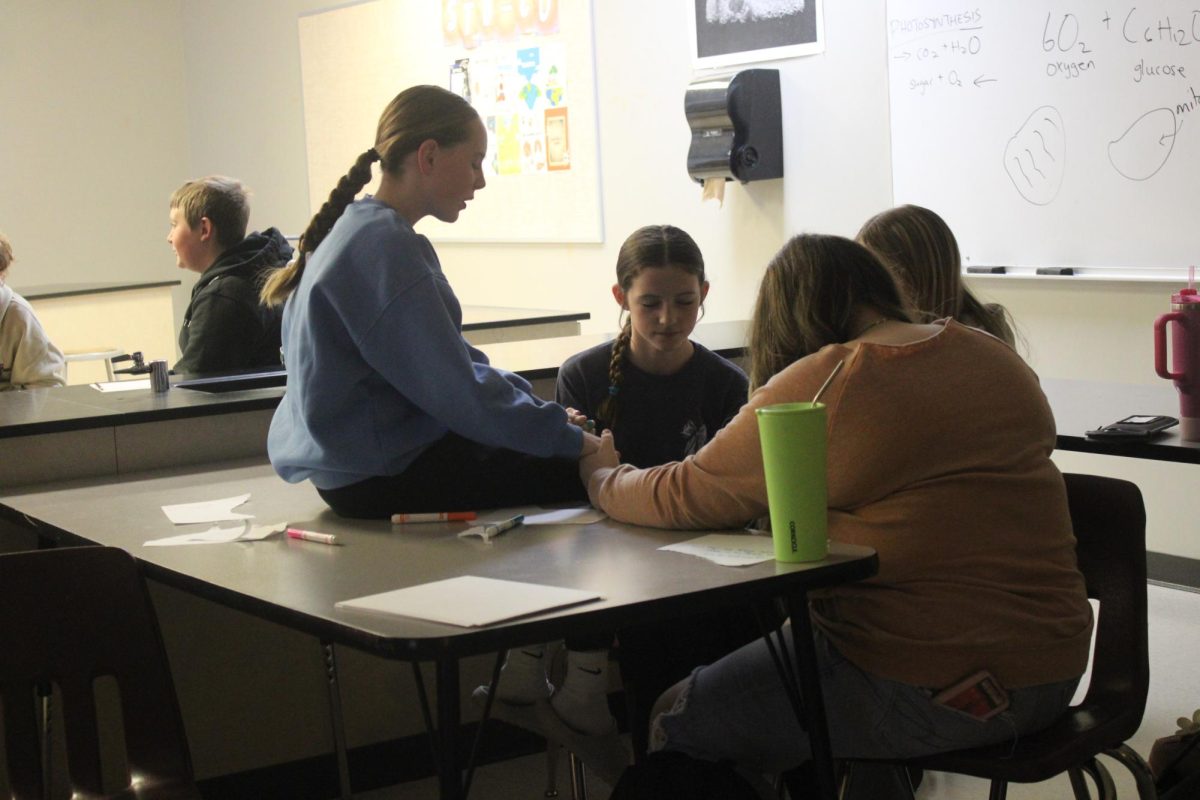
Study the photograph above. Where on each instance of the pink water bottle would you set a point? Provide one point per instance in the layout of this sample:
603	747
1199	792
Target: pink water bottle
1184	322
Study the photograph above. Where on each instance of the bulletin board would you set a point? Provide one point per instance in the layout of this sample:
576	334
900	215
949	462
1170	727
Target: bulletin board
527	68
1051	134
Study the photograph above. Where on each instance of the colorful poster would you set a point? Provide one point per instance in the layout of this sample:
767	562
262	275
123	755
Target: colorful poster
522	95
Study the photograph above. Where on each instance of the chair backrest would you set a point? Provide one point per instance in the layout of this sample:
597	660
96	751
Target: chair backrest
72	616
1109	521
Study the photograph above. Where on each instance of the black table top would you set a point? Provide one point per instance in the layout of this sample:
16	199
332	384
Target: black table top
477	318
296	583
54	410
70	408
1080	406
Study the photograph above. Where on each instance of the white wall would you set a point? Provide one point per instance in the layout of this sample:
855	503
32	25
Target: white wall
110	104
93	137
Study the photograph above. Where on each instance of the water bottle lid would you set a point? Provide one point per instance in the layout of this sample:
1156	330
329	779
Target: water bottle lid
1188	295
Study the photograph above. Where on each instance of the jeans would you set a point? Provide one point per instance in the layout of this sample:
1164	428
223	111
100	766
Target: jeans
737	709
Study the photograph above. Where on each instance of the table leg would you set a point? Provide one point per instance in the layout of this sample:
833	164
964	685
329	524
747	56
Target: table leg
337	722
812	715
450	783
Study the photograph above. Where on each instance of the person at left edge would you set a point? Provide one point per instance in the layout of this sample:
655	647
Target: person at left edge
225	326
28	359
388	409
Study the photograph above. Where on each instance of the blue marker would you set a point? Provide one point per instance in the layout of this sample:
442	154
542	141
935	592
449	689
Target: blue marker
497	528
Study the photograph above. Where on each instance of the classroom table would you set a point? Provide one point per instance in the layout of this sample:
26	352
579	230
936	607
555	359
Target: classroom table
296	583
1080	406
489	324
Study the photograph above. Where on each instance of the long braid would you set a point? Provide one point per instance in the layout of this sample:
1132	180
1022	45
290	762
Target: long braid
284	280
610	405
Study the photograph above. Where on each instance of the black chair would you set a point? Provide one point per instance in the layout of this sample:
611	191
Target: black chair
1109	521
72	616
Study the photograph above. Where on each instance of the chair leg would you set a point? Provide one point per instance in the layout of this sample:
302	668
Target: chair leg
578	780
551	770
336	721
45	693
1142	776
1105	788
998	791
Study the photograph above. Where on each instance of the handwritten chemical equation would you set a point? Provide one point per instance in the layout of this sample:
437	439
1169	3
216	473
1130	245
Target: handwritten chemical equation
937	52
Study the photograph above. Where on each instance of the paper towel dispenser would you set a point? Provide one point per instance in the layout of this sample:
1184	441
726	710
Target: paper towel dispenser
737	130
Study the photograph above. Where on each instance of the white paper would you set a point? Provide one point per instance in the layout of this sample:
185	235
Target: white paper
122	386
218	535
728	549
537	515
207	511
469	601
584	515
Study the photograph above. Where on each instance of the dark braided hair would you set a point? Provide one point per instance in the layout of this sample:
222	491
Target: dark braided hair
653	246
416	115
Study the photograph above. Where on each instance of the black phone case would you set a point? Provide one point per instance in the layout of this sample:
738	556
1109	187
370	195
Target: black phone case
1133	431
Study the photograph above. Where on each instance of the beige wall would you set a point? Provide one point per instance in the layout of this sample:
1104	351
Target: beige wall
94	137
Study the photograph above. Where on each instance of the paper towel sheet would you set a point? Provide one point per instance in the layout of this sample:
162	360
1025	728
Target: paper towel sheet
714	189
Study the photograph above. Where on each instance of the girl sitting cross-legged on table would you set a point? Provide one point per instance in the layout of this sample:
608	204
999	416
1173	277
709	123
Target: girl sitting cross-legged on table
939	443
388	409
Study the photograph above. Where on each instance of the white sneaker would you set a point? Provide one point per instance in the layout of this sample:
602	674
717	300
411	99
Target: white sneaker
522	684
582	700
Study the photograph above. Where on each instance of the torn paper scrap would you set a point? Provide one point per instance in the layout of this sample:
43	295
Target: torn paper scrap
207	511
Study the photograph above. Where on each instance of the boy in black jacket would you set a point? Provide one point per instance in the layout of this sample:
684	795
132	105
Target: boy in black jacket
225	328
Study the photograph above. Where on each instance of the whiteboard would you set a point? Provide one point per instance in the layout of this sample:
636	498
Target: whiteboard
355	58
1063	134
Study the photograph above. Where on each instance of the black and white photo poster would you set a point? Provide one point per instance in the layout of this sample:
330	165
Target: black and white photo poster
748	31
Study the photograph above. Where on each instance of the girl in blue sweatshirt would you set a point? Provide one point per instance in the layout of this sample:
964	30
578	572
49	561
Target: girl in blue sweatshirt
388	409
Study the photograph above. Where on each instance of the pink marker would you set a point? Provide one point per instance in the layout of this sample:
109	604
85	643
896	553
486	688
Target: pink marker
311	536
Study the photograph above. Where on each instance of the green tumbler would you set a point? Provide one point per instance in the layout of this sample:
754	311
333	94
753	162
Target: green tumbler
793	450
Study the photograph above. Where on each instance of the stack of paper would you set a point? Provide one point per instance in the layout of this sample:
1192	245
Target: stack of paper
469	601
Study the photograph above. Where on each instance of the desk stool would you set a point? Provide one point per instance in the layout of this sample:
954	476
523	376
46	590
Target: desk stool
105	354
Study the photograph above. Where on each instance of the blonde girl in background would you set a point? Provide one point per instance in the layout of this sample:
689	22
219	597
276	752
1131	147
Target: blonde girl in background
921	250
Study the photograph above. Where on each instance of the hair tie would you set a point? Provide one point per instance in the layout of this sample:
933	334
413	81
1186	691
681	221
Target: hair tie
613	389
374	154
